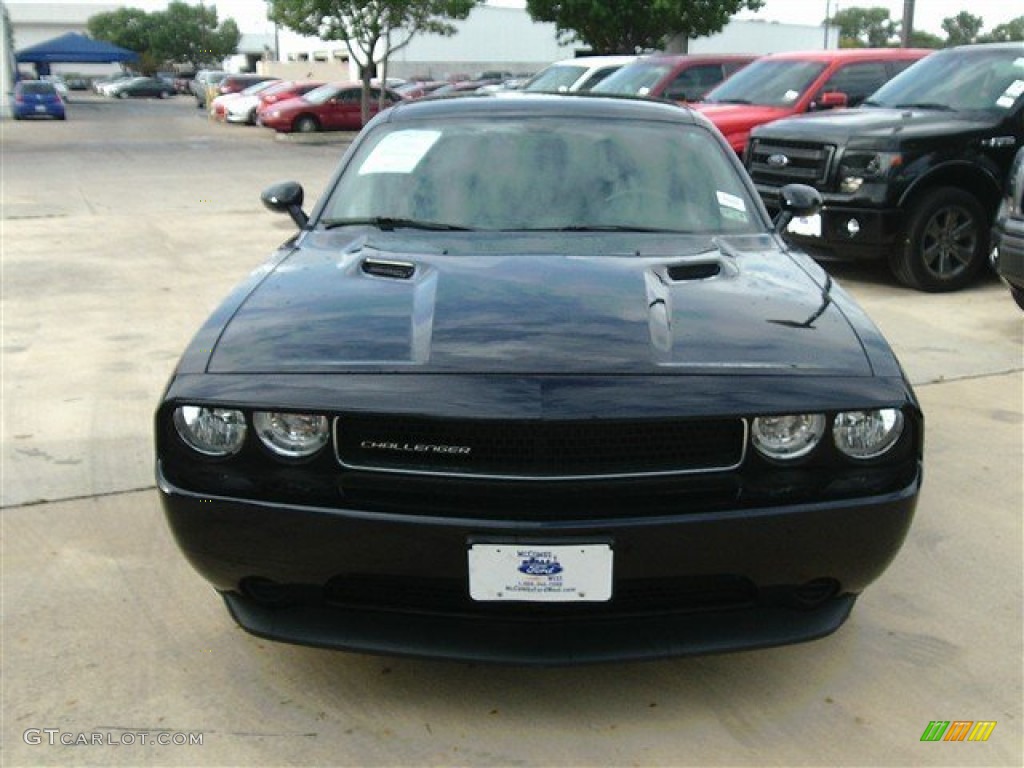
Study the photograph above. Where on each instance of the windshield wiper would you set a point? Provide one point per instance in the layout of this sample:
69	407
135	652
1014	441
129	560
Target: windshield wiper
388	223
927	105
869	103
602	228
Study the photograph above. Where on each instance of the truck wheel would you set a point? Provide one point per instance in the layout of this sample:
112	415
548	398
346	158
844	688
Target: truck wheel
945	243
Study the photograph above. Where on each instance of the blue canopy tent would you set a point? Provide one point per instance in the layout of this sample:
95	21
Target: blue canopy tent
72	48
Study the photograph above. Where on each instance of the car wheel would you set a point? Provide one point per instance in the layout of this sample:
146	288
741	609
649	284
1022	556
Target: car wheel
1018	295
163	94
251	117
946	242
307	124
122	95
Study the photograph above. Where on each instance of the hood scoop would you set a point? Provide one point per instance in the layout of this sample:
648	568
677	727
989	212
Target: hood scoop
389	268
681	273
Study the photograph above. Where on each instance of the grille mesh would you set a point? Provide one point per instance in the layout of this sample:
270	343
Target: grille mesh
539	448
806	162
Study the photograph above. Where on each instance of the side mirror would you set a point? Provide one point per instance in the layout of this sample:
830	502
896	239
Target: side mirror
286	197
832	100
796	200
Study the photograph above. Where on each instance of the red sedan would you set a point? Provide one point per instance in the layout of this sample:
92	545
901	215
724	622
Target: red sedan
331	107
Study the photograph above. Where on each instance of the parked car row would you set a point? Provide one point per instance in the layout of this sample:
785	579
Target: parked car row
924	199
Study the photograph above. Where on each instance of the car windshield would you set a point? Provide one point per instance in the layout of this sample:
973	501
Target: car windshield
540	174
559	77
960	80
633	80
778	83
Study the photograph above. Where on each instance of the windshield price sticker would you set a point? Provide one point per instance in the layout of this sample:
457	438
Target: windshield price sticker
532	573
399	152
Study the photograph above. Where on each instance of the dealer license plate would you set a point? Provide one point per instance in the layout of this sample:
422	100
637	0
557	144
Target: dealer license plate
40	108
808	226
540	573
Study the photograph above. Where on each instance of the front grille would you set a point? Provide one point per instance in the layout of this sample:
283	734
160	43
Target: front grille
538	449
805	162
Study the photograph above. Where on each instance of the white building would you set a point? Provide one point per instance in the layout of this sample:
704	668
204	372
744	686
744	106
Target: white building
506	38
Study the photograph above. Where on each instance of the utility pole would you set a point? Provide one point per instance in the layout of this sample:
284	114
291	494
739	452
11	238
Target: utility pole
828	19
907	30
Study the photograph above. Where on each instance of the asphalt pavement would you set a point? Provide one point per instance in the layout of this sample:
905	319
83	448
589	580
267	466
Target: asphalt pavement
124	226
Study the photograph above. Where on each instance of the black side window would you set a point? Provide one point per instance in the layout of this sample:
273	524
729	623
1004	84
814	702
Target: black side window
692	83
858	81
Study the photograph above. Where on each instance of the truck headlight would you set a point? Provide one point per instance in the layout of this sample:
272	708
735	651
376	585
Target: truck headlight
857	168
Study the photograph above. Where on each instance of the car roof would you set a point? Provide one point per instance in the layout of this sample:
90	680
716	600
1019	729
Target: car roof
699	57
523	104
850	54
591	62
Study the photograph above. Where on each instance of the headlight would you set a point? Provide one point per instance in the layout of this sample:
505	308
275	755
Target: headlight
211	431
787	437
867	434
292	435
859	167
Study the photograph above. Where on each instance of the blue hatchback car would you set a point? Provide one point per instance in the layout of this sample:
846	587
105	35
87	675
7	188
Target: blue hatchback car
37	98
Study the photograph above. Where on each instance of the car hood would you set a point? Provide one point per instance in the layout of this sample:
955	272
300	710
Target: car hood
729	118
877	128
741	306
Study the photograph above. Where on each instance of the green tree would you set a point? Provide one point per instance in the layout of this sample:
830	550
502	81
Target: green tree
127	27
372	30
193	34
962	29
183	33
626	26
1011	31
870	27
919	39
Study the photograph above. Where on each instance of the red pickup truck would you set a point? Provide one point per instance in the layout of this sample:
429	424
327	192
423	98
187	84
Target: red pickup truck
784	84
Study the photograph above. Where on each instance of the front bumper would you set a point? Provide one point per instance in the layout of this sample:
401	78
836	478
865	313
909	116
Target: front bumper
876	231
687	583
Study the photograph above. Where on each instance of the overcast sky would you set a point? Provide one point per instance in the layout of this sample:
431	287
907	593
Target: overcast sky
251	14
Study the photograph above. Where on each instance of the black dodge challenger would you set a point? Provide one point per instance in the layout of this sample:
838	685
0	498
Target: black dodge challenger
538	382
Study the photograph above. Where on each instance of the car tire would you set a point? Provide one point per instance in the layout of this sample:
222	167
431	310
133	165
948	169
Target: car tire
163	94
122	95
946	242
306	124
251	117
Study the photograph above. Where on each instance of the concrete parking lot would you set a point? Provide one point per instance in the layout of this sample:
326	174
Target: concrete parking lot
121	230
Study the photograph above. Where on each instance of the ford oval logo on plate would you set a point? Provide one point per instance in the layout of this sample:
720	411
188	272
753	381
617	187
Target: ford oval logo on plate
778	161
536	566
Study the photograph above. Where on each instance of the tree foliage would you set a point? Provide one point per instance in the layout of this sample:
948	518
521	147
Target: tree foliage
870	27
1011	31
372	30
626	26
962	29
187	34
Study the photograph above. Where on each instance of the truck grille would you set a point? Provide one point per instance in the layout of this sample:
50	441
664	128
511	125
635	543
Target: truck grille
539	449
805	162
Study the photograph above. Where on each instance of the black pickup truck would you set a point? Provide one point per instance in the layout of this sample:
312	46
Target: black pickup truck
915	174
